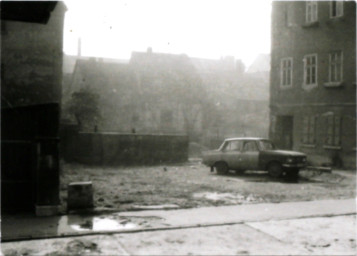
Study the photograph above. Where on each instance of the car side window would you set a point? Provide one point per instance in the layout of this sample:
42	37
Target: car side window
233	146
250	146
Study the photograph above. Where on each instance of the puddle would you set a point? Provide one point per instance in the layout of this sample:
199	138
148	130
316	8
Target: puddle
21	227
226	197
70	223
111	222
102	224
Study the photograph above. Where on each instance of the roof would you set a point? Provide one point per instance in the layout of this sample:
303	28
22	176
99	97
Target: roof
69	61
245	138
213	65
101	75
159	61
260	64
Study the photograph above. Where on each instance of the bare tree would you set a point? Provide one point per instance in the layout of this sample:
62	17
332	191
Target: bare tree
83	105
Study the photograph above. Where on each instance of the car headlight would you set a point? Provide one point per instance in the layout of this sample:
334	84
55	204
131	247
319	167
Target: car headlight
289	160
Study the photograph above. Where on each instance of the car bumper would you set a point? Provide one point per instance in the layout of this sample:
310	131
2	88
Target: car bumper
292	166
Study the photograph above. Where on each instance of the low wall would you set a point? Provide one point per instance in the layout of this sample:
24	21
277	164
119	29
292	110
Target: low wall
122	149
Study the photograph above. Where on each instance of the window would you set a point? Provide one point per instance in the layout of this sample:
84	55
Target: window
233	146
266	145
333	130
311	11
289	14
335	66
166	117
336	9
135	117
310	69
250	146
308	130
286	67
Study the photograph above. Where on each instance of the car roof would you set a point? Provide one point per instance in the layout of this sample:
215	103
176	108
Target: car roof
245	138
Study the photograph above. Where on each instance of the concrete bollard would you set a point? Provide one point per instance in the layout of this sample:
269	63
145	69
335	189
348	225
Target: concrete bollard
80	195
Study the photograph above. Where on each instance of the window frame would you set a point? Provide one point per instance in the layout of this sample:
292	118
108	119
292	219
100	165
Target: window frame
311	5
333	131
337	65
282	72
250	142
309	67
289	15
309	130
339	9
228	146
166	117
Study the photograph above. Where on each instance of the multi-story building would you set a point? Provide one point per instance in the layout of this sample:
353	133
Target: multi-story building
313	79
31	79
153	93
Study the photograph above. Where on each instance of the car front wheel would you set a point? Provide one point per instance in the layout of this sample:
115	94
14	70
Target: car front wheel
275	170
222	168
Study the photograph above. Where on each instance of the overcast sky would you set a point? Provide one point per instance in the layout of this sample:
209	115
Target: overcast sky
199	28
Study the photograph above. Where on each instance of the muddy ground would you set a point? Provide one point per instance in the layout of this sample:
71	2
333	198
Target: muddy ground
193	185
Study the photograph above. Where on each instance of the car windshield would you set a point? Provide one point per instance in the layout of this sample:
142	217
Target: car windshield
266	145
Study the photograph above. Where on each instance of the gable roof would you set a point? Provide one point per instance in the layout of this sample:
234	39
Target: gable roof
69	61
102	74
260	64
159	61
28	11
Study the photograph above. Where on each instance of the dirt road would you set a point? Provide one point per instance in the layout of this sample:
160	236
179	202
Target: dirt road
193	185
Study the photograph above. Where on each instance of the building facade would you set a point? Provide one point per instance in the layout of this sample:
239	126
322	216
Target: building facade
147	95
31	80
313	80
160	93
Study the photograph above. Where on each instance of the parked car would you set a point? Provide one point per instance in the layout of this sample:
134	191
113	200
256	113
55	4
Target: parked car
242	154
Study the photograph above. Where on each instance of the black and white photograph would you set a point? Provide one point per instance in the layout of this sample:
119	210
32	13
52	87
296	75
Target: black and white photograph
178	127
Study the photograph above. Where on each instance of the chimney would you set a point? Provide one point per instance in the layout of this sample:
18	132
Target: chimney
79	49
149	50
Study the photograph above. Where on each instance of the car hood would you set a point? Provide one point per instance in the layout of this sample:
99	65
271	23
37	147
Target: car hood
210	151
285	152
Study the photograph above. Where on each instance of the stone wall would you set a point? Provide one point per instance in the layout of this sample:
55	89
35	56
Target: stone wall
122	149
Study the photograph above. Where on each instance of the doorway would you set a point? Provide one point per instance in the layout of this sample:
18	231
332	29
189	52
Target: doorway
285	126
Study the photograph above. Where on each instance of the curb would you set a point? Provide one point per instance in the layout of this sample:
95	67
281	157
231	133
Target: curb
139	230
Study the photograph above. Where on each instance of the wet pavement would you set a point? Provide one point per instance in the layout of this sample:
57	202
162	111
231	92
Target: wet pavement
25	227
307	236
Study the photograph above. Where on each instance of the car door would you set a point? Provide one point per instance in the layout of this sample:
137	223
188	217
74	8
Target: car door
231	154
250	155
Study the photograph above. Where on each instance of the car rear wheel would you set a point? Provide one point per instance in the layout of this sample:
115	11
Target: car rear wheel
293	174
221	167
275	170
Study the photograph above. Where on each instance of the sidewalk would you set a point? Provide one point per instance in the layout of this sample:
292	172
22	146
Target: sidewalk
252	212
15	228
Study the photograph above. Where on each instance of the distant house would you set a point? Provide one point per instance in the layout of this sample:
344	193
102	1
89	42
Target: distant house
161	93
172	91
146	95
313	79
31	79
240	99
